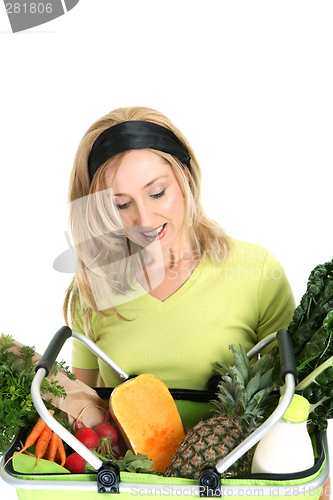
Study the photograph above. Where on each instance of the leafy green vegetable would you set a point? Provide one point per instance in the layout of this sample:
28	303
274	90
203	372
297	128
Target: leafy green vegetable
16	374
312	333
131	463
315	304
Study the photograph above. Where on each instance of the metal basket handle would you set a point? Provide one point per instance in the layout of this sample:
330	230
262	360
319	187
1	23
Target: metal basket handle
288	374
209	479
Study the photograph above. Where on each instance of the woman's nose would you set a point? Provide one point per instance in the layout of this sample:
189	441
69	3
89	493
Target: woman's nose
142	216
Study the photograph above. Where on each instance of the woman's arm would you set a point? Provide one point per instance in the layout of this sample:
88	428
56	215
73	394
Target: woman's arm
326	495
88	377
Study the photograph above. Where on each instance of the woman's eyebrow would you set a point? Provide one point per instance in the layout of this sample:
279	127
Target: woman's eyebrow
147	185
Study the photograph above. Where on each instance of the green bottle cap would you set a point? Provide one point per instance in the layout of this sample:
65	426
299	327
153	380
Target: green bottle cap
298	410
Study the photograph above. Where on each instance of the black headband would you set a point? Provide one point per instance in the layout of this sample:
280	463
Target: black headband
134	135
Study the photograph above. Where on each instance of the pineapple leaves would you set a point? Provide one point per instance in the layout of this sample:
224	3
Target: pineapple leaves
243	387
266	379
257	400
262	364
227	400
253	386
242	363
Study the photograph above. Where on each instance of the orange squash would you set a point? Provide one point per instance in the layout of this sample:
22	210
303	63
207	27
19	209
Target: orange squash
147	417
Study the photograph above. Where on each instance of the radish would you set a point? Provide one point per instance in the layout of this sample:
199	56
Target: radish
107	433
88	437
75	463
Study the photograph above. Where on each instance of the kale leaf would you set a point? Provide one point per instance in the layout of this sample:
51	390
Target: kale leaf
312	334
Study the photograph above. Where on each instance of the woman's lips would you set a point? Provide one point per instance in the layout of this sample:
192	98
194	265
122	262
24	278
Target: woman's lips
158	236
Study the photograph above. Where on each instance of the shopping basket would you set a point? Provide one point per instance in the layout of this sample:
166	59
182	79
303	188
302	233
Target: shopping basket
53	482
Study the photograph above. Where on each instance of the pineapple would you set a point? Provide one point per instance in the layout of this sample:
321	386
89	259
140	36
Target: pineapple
241	390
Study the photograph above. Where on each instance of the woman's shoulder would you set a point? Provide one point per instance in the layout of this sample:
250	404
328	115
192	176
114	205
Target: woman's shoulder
241	252
246	245
246	251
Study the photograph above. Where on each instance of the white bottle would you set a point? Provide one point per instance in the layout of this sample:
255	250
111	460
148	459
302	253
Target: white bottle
287	447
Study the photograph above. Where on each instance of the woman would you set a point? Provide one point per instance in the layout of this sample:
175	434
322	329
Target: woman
160	287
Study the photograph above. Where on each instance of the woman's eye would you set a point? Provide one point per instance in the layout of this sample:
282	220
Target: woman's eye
121	207
158	195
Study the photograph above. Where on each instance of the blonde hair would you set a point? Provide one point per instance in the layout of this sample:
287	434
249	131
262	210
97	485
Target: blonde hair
208	236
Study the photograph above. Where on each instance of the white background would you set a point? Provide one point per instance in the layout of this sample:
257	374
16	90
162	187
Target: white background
249	84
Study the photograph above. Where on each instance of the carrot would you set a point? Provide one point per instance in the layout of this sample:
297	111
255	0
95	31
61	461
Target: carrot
35	433
57	458
52	448
42	443
61	452
32	438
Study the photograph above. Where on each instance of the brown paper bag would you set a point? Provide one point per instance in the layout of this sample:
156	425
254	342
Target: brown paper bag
79	396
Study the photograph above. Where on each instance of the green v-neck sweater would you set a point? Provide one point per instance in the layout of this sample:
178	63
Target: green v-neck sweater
179	339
